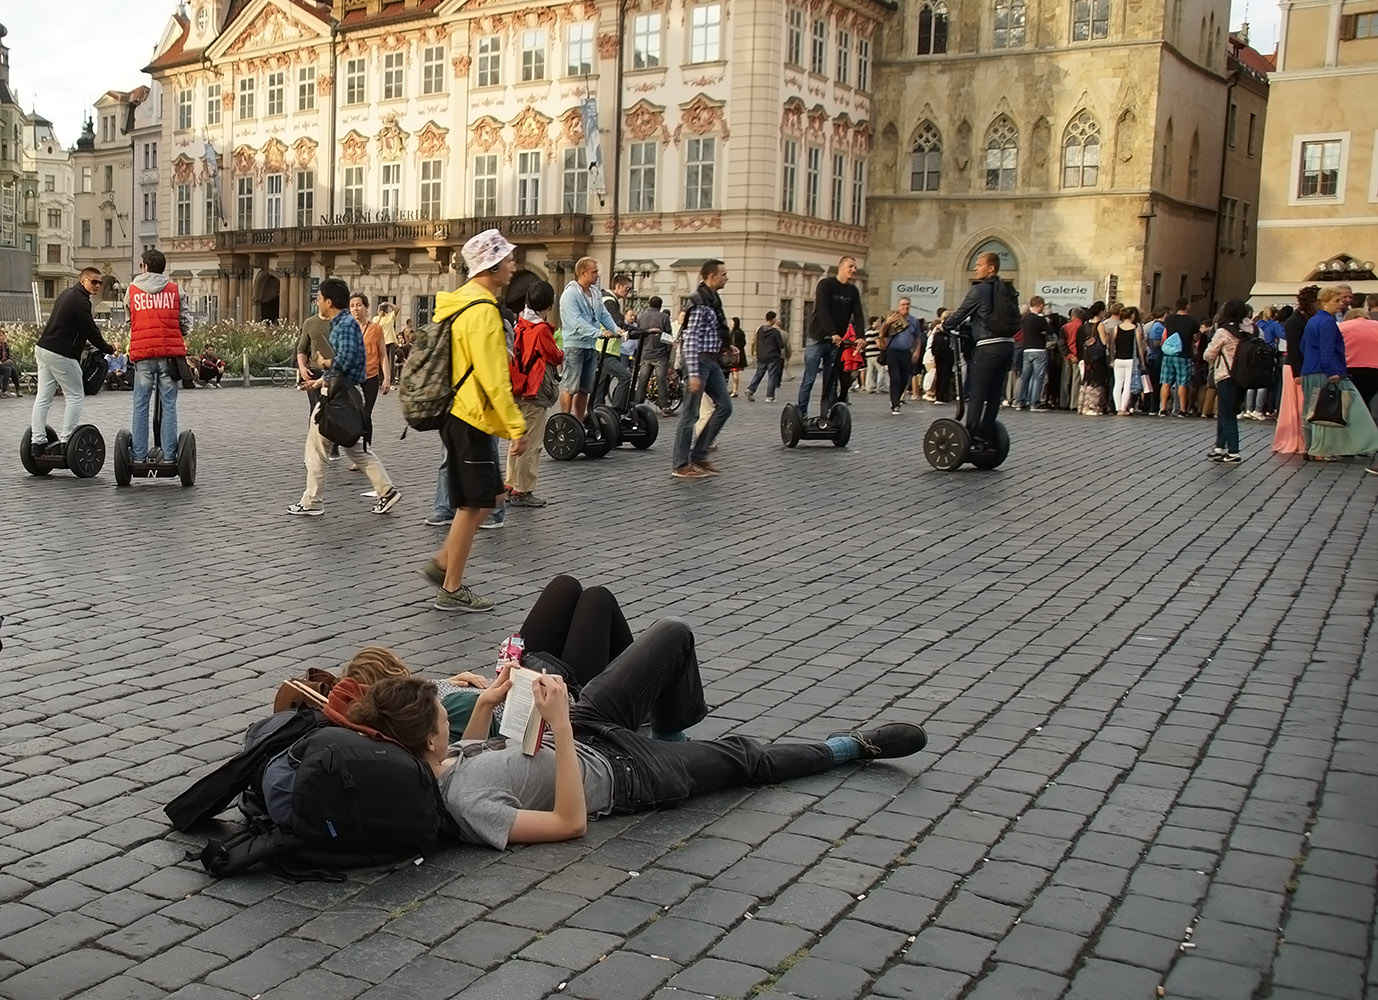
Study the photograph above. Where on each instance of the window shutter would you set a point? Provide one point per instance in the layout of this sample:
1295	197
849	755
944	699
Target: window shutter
1348	25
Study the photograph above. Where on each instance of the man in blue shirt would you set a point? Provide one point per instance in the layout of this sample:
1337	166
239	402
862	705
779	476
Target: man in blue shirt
347	367
583	319
901	329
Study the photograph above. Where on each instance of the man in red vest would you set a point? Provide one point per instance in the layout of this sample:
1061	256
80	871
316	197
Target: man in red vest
158	324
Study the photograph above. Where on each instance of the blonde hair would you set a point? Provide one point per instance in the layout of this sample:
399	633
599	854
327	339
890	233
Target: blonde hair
373	663
1328	295
1269	312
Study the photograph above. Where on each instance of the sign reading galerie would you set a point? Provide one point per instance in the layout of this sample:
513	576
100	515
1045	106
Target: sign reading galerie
925	295
1064	296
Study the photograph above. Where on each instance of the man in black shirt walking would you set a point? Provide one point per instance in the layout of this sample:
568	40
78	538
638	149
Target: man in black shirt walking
58	351
1034	373
837	305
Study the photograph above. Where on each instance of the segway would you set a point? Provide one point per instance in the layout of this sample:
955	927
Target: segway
565	436
84	453
126	469
637	424
948	444
836	426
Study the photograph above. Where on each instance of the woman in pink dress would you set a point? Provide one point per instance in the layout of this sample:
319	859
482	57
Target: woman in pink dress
1288	438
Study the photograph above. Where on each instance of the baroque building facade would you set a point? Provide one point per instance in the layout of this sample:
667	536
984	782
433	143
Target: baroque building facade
1082	140
370	140
1318	212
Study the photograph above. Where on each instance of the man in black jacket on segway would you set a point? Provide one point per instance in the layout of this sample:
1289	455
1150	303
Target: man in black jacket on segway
58	352
837	306
993	321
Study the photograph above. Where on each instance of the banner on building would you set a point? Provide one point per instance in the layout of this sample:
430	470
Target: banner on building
1062	297
925	296
588	113
213	169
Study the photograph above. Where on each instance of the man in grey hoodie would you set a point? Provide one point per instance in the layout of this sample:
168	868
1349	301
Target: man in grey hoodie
158	324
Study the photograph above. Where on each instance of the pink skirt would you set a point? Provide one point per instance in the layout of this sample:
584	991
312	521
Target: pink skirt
1289	439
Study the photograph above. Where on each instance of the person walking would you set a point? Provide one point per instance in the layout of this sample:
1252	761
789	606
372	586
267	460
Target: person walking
534	351
377	362
347	367
1324	363
901	331
158	324
70	327
703	334
1034	367
993	353
770	355
736	337
837	305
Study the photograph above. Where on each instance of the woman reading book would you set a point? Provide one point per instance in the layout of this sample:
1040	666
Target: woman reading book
594	761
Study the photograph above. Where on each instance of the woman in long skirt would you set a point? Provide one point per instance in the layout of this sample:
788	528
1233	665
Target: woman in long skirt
1323	362
1288	437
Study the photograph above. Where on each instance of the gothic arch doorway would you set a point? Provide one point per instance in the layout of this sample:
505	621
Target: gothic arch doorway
267	297
1009	263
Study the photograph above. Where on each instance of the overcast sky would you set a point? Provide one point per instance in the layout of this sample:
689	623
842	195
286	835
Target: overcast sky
61	59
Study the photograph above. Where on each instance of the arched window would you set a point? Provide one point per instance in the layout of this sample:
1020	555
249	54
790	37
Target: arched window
1002	154
932	29
1193	164
1166	154
926	172
1176	36
1010	16
1008	264
1081	152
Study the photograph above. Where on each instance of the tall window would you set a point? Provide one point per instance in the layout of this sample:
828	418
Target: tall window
705	33
86	227
433	69
576	179
1320	169
863	64
926	170
486	184
1081	152
55	215
1090	19
1193	164
184	108
394	77
932	29
533	55
353	190
646	30
306	88
277	89
489	61
700	156
1244	228
839	187
213	104
86	180
1231	124
244	203
306	197
272	201
109	233
844	57
246	99
789	175
356	83
109	176
642	178
1253	134
1002	155
392	188
818	48
579	49
529	182
1225	224
212	211
794	36
150	156
430	189
813	171
859	193
1010	16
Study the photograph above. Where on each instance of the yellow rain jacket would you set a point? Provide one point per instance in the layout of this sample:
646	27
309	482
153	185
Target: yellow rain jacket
476	338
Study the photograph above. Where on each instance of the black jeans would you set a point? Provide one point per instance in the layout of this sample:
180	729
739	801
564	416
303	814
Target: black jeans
990	364
584	628
657	678
942	364
371	387
614	368
661	366
901	368
770	369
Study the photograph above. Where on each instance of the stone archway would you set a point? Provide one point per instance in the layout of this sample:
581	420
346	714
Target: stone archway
267	297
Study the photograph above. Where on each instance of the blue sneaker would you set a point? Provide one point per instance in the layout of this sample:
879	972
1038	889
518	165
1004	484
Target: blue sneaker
496	519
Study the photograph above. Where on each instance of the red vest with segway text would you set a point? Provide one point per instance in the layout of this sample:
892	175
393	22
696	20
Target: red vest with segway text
154	327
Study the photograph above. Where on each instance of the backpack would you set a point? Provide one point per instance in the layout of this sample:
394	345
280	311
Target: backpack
425	390
341	417
94	370
545	392
1172	346
1004	310
335	799
1255	363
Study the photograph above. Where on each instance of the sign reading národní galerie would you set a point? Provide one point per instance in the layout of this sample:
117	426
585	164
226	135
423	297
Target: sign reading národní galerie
925	295
1064	296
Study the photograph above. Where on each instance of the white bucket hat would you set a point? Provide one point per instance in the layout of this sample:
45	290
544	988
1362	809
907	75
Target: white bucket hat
486	250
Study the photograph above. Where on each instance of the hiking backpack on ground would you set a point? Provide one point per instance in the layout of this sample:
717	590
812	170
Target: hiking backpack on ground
1255	363
1004	310
426	392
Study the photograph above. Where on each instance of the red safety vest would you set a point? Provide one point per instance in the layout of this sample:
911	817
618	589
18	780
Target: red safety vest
154	327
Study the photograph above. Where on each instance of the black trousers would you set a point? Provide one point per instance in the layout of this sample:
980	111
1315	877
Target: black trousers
901	368
584	628
942	378
990	364
1364	379
9	373
371	387
657	678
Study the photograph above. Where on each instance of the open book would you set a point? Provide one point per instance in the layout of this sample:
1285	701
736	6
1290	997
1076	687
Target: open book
520	720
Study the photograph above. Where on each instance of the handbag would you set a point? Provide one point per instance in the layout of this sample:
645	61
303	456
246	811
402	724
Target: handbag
729	356
1331	407
1146	384
340	416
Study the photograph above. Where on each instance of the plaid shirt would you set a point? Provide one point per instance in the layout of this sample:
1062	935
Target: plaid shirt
699	336
347	341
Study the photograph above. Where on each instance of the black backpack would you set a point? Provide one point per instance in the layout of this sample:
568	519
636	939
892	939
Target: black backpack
1004	310
94	371
341	416
1255	363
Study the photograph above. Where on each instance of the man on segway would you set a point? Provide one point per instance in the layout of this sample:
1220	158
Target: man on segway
57	352
837	305
158	325
993	311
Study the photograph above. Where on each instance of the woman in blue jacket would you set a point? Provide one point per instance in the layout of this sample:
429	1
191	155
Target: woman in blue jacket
1323	361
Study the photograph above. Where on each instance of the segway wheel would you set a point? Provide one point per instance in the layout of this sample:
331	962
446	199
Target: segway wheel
946	445
650	426
791	425
605	440
990	458
85	451
564	437
840	416
607	417
26	453
124	454
186	458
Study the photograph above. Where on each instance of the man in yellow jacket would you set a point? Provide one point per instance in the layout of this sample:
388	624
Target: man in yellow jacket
483	411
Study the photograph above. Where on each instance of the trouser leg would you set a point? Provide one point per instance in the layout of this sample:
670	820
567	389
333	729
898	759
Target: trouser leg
715	387
317	460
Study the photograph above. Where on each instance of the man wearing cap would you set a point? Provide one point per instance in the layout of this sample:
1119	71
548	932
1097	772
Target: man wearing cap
483	410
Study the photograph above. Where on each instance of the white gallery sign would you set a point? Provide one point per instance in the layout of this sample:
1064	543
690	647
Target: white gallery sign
1064	296
925	295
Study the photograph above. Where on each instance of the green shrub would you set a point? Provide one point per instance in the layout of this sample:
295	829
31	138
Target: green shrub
269	345
21	337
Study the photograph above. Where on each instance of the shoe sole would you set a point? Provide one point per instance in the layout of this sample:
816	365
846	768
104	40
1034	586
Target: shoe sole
436	524
459	607
307	512
388	504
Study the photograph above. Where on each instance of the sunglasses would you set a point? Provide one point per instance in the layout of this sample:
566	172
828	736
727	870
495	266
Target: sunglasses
482	746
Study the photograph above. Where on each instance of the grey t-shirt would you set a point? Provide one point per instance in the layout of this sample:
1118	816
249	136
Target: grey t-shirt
484	792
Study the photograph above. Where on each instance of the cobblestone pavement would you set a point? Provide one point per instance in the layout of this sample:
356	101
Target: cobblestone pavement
1149	684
